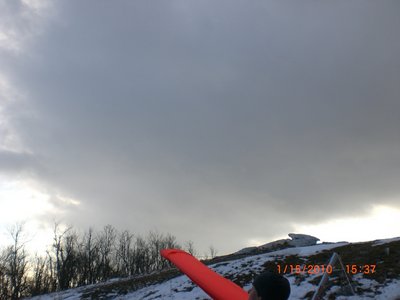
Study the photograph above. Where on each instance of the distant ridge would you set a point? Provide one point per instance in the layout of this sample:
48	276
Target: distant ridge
241	268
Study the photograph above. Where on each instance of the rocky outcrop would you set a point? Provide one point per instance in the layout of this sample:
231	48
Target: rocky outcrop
301	240
274	244
296	240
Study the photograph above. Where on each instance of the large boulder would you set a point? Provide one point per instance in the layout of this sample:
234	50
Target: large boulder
297	240
301	240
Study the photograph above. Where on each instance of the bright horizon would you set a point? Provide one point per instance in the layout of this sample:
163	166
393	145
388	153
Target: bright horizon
382	223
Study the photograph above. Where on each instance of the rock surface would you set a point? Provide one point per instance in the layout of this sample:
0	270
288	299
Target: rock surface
296	240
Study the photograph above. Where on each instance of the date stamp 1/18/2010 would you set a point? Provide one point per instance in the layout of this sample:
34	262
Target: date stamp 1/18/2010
320	269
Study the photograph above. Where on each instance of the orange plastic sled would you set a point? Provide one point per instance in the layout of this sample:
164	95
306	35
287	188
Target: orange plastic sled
216	286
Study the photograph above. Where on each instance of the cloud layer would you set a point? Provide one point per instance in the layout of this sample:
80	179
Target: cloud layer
210	120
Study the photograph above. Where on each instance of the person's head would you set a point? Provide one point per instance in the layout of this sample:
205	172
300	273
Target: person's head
270	286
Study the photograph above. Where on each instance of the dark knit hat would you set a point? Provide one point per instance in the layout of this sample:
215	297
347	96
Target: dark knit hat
270	286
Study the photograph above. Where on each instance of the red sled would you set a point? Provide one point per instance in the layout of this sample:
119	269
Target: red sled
216	286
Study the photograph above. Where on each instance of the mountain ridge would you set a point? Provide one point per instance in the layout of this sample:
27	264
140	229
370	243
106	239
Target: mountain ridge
383	283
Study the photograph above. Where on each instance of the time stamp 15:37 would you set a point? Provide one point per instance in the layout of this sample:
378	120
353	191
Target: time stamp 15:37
319	269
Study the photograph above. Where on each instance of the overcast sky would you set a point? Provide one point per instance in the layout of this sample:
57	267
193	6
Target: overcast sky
221	122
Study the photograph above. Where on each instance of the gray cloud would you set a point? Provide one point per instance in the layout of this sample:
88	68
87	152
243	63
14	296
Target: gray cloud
14	163
214	120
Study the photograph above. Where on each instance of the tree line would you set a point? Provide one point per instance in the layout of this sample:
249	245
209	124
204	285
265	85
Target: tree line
74	259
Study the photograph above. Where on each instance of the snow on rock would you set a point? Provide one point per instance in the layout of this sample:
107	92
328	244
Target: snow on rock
385	241
301	240
296	240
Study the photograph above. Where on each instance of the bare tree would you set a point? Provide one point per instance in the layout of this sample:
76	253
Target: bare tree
69	255
189	247
88	256
53	286
14	266
106	241
63	252
4	278
156	242
42	280
124	255
168	242
155	245
74	260
141	256
213	251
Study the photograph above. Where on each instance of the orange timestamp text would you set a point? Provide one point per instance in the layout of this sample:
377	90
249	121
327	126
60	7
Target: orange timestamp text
365	269
320	269
304	269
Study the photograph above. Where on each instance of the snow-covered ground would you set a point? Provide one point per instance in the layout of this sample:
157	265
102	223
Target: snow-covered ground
182	288
385	241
